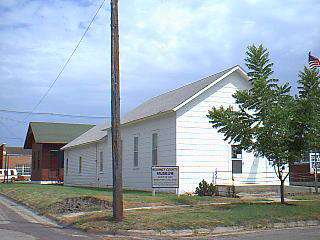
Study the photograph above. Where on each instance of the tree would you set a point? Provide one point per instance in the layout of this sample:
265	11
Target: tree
308	111
264	121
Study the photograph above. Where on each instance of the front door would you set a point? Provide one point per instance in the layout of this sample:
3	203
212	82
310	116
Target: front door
53	165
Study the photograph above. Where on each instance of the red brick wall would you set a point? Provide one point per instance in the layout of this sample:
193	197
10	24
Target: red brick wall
19	160
300	172
14	160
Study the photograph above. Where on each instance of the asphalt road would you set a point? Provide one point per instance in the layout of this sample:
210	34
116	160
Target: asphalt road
18	223
307	233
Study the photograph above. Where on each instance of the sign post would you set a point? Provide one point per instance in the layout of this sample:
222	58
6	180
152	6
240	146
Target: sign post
164	177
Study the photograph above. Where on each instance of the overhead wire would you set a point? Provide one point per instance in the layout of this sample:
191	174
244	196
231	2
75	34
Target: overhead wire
52	114
66	63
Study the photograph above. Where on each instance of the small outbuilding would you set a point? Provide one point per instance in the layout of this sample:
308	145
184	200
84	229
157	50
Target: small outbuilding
171	129
45	139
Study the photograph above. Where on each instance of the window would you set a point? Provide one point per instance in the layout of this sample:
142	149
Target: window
236	166
67	165
154	149
80	164
236	152
11	172
101	161
135	151
23	170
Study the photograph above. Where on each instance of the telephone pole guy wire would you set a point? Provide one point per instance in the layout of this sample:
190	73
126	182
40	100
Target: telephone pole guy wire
66	63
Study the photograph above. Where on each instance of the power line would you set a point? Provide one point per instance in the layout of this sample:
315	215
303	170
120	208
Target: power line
66	63
52	114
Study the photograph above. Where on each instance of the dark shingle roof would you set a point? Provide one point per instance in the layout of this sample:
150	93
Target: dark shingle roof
47	132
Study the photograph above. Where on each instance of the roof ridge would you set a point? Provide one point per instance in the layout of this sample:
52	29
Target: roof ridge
188	84
63	123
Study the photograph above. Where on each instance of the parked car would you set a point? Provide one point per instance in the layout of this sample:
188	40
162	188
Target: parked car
12	176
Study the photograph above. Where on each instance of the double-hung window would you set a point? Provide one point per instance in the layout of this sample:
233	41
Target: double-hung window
101	161
80	165
155	149
236	157
135	151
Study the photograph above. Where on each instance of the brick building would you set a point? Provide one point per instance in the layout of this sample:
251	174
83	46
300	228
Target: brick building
302	174
45	139
16	157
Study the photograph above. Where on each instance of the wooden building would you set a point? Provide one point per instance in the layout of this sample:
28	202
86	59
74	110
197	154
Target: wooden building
45	139
171	129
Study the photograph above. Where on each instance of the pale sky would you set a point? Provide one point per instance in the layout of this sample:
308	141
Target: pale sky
164	44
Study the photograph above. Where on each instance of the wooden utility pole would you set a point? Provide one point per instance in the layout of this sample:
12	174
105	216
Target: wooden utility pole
115	112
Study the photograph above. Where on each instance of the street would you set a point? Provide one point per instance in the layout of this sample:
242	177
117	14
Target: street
308	233
17	223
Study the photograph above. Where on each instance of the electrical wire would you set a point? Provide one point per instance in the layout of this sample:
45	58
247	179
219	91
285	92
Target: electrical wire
52	114
66	63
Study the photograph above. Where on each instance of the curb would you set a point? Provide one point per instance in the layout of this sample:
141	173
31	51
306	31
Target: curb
217	231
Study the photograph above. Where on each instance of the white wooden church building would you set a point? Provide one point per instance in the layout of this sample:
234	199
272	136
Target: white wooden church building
171	130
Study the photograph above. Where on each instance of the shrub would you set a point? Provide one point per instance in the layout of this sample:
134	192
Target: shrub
206	189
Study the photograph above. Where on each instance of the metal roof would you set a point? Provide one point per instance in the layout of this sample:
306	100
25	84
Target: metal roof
170	100
92	135
48	132
163	103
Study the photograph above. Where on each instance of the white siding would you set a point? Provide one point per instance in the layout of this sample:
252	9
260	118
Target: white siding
140	177
133	177
201	151
88	175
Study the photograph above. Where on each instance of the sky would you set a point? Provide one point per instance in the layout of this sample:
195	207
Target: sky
164	44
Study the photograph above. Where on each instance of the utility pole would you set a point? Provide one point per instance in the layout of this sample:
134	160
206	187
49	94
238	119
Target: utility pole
115	115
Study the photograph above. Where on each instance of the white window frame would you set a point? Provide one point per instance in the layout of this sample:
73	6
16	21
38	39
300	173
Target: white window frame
80	165
155	147
67	166
101	163
135	151
241	154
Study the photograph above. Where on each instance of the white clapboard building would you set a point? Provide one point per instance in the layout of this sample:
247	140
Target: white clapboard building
171	130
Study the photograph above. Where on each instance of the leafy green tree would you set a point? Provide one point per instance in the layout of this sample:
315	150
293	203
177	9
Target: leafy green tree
264	121
308	108
308	111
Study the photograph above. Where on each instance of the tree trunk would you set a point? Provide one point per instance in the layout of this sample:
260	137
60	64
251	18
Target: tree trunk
282	191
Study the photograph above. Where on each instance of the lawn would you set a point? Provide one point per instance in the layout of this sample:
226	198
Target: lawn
198	215
41	197
243	214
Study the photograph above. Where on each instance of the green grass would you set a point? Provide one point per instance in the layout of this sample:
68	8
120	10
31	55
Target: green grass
244	214
40	197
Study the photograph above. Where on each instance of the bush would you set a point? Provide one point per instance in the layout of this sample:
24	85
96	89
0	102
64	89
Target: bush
206	189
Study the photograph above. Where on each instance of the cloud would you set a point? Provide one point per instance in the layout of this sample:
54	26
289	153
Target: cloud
164	44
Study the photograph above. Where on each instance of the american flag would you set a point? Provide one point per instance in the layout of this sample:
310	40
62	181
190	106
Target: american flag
313	61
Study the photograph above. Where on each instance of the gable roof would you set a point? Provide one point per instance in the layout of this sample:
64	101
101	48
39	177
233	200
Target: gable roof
171	100
92	135
48	132
164	103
